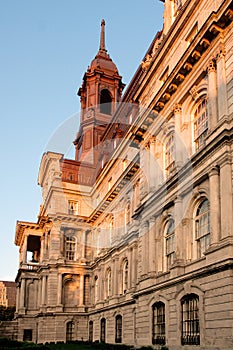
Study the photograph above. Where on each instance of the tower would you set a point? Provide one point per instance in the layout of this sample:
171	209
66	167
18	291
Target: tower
100	91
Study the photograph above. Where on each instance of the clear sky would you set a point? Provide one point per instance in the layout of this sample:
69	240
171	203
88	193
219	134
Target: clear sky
46	47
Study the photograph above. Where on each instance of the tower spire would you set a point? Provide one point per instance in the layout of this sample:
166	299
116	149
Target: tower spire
102	36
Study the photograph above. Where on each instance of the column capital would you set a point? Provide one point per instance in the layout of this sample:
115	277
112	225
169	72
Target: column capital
211	66
221	53
214	171
177	108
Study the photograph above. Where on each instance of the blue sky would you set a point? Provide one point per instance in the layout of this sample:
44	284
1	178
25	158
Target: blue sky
46	46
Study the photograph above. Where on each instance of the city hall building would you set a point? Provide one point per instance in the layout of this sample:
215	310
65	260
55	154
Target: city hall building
134	242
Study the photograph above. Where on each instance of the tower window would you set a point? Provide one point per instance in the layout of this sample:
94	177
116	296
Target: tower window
105	102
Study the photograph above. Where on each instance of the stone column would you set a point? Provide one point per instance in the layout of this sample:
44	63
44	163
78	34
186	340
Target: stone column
46	245
43	291
17	298
81	300
178	228
212	95
22	293
144	164
159	242
130	267
152	168
59	289
179	145
115	283
226	198
144	247
151	244
221	83
214	204
25	244
134	266
42	243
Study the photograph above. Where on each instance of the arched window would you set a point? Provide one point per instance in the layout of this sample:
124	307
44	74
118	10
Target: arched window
70	248
105	102
202	227
170	154
118	329
102	330
91	328
108	283
125	276
158	323
200	123
70	331
190	328
169	241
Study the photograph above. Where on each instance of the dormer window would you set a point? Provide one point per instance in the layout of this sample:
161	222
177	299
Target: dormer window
72	207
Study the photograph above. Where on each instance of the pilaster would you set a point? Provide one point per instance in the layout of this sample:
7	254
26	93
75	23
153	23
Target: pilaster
212	95
221	83
214	204
226	198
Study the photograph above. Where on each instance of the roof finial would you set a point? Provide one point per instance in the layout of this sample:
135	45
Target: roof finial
102	36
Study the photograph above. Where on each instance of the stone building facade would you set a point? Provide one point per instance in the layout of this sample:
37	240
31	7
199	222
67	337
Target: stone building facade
134	240
7	293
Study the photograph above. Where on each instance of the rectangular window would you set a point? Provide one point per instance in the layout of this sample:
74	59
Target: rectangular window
70	247
102	330
73	207
27	335
118	329
158	324
190	320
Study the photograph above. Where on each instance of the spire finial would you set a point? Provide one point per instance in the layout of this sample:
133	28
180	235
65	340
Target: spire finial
102	36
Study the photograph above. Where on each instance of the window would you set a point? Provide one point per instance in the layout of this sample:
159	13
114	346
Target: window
158	323
200	123
72	207
105	102
170	154
70	248
118	330
190	320
202	227
108	283
169	237
27	335
69	331
91	331
125	276
102	330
